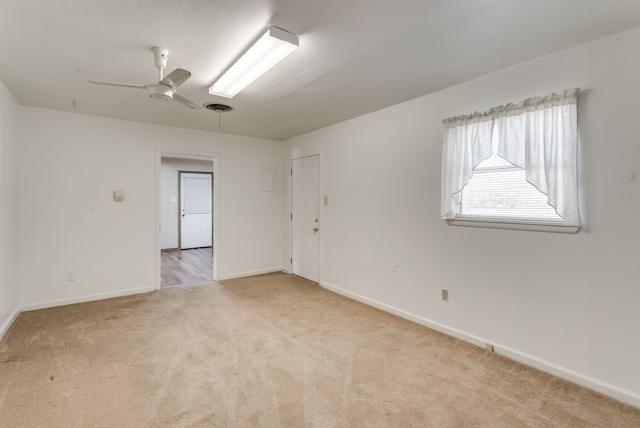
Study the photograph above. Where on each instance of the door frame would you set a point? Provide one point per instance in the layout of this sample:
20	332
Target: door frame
194	155
180	203
320	216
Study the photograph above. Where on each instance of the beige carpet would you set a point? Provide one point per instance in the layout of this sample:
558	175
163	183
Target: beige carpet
269	351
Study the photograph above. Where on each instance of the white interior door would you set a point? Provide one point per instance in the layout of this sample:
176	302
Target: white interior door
305	219
195	210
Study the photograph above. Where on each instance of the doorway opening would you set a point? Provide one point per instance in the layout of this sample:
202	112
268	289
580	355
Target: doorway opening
186	218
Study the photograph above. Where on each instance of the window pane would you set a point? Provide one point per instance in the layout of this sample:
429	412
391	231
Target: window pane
499	190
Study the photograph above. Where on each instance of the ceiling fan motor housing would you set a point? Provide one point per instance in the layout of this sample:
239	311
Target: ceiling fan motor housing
160	92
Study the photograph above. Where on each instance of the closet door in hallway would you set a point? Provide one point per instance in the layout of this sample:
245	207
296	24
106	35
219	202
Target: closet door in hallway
195	210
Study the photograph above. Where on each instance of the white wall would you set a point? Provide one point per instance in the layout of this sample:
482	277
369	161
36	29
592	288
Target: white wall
8	211
70	164
169	216
576	313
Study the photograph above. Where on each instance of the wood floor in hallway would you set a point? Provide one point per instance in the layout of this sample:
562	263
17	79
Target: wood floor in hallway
192	266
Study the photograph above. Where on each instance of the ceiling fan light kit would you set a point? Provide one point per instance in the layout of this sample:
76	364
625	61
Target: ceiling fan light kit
274	45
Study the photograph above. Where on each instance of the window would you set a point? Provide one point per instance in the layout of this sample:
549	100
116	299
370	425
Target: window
514	166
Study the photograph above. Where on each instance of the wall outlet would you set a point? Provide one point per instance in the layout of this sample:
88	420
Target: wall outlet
445	294
71	276
488	347
394	266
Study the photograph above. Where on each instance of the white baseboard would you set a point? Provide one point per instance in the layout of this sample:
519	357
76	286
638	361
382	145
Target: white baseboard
605	388
6	325
250	273
86	298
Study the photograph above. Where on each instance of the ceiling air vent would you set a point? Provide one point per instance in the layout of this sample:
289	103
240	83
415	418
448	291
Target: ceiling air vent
218	108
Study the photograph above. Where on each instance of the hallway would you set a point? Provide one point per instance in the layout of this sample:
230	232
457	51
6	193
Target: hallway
180	267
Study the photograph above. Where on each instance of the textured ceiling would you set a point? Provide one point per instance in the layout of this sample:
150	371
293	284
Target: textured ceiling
355	56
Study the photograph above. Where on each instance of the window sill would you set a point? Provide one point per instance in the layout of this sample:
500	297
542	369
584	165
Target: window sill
514	225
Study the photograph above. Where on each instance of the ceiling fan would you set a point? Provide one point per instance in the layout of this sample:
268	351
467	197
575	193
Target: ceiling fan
166	88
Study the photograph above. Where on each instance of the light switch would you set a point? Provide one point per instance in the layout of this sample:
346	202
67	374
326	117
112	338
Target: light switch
118	196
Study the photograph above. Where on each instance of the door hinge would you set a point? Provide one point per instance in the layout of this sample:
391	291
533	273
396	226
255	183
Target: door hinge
291	170
291	216
291	260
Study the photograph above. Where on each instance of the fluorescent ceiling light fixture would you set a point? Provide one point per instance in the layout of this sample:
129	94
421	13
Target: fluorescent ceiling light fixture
267	51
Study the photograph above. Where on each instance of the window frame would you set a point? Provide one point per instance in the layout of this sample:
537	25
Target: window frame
489	223
457	218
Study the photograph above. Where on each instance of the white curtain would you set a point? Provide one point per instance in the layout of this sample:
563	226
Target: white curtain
467	142
538	135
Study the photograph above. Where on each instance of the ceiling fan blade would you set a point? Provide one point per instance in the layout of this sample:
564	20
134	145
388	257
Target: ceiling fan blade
185	102
176	78
122	85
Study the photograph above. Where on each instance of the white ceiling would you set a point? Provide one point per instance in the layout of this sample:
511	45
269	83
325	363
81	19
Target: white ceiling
355	56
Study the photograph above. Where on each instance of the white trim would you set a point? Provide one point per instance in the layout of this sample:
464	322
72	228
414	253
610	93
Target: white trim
605	388
4	328
86	298
578	378
535	227
250	273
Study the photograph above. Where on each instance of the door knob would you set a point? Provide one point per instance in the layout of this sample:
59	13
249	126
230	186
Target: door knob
315	229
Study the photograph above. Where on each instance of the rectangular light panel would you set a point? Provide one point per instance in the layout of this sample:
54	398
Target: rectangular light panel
267	51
